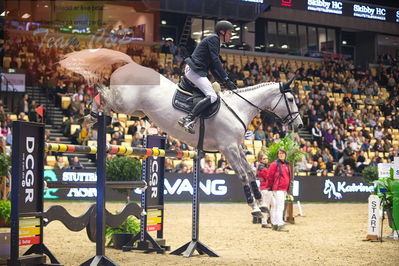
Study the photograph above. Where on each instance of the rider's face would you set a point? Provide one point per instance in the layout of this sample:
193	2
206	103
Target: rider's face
227	36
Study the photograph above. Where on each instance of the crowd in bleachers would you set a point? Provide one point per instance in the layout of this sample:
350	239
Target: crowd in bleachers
351	115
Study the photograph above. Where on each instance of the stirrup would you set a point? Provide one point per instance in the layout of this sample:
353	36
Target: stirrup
182	121
188	124
190	127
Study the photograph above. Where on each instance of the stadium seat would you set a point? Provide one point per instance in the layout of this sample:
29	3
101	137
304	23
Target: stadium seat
250	158
258	144
240	83
128	138
122	117
6	61
13	117
125	143
65	102
74	128
51	160
91	143
175	163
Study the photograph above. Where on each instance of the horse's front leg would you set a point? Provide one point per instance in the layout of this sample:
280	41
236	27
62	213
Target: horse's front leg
251	177
233	156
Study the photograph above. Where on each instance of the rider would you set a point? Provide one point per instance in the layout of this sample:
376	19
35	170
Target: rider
206	57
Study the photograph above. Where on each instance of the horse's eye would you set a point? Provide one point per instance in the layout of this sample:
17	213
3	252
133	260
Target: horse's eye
291	99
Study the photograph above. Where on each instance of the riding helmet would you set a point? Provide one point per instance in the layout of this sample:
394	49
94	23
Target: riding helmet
223	25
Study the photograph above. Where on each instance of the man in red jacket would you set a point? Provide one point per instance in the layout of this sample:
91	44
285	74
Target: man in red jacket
279	177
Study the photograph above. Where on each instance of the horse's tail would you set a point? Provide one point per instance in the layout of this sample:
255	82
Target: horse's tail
90	63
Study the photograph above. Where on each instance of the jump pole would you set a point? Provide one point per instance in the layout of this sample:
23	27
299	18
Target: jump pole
189	248
100	258
152	200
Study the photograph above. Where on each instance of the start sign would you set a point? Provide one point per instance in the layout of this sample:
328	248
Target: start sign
374	218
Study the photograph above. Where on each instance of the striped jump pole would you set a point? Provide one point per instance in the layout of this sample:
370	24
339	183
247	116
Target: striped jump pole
120	150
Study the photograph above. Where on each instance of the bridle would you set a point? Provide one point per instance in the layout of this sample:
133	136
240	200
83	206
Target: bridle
289	118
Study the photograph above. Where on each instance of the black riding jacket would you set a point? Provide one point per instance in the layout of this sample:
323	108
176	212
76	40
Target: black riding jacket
206	57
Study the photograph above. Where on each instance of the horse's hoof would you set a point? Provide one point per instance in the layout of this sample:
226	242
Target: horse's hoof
257	214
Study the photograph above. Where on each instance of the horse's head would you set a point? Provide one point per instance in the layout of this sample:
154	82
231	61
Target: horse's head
286	108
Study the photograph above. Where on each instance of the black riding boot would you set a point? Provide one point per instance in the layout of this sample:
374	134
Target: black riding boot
189	121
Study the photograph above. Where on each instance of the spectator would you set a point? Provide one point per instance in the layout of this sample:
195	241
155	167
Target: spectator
338	147
314	169
221	160
265	188
260	133
279	183
328	138
360	162
137	140
339	170
23	105
348	170
223	169
378	133
75	164
60	164
348	158
330	164
209	167
3	114
168	165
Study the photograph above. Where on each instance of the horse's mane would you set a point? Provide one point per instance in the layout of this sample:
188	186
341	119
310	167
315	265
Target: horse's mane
249	88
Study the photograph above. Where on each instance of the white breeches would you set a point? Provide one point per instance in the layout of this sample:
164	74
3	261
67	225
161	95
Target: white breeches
268	201
278	209
202	83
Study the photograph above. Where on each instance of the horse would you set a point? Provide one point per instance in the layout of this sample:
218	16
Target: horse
137	88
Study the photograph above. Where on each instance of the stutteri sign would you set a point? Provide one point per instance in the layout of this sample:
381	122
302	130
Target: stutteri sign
383	169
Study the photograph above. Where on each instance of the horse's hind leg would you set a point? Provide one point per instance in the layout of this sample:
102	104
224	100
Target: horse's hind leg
233	155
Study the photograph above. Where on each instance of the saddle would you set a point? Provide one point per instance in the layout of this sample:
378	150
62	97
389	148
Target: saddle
187	95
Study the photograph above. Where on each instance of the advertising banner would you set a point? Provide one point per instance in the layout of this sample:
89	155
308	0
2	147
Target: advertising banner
29	170
12	82
219	188
155	166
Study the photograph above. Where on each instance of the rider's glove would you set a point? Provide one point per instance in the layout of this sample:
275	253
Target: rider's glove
228	84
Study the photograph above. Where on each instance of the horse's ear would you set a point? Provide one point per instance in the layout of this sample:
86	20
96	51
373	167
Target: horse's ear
286	85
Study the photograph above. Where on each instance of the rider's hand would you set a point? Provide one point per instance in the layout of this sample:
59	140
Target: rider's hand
230	85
